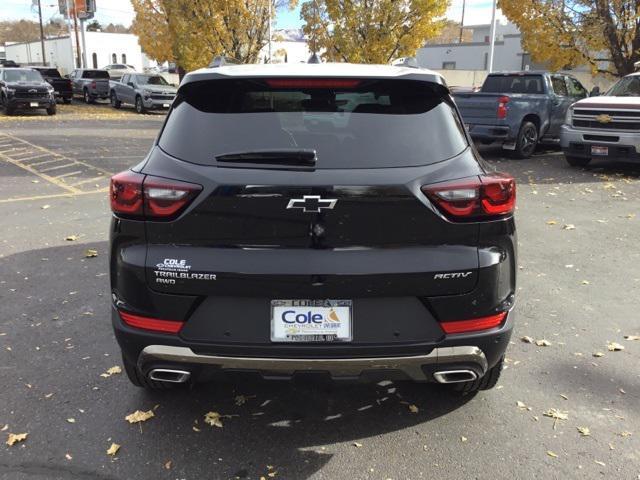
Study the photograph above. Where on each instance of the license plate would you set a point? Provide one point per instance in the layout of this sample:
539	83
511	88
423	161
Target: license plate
598	150
311	320
33	104
165	105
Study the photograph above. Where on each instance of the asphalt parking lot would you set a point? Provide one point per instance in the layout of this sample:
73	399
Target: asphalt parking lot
579	284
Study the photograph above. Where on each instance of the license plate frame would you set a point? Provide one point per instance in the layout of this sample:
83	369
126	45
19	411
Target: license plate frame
311	321
599	150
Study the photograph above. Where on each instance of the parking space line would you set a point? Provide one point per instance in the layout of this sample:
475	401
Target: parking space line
89	180
68	174
57	167
39	174
37	164
55	195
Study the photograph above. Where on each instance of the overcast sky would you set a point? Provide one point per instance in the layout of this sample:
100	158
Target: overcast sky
120	11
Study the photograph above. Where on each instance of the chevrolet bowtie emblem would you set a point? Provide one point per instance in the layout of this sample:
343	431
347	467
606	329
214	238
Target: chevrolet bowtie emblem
312	203
604	118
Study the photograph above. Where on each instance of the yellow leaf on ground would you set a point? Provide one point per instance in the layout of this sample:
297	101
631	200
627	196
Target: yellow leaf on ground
569	226
413	409
113	449
632	337
602	464
139	416
584	431
16	438
90	253
543	343
71	238
552	454
598	354
167	465
357	444
71	420
213	419
551	222
527	339
614	347
68	456
557	414
111	371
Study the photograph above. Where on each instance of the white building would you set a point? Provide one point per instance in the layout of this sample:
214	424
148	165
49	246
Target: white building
101	49
287	46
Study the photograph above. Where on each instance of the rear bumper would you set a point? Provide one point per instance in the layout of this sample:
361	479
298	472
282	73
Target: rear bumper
493	133
623	146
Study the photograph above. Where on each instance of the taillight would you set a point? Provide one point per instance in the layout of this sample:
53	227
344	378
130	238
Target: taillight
93	84
151	324
502	107
478	198
153	198
312	82
474	324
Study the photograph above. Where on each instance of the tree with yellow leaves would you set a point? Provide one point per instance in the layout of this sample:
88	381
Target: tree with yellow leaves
370	31
193	32
603	34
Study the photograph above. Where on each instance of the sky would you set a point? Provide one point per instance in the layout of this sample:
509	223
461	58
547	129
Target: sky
120	11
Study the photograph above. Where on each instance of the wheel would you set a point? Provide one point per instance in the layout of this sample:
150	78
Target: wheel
52	110
486	382
139	105
577	161
67	100
527	140
139	380
115	103
87	97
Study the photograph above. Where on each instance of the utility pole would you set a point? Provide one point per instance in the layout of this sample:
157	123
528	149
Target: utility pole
75	27
44	60
269	31
462	20
84	45
493	36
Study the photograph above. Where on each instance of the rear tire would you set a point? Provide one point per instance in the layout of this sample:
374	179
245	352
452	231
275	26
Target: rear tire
87	97
67	101
527	140
139	380
486	382
577	161
115	103
139	105
51	110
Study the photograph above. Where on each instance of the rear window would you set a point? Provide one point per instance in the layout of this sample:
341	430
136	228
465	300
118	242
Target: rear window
376	123
513	84
50	72
95	74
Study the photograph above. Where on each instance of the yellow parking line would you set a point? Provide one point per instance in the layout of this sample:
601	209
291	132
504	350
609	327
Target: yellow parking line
41	175
47	161
35	157
57	167
94	179
68	174
55	195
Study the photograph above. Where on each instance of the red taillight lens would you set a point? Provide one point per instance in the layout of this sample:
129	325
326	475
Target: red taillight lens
312	82
152	324
474	325
126	193
502	107
93	84
135	194
477	198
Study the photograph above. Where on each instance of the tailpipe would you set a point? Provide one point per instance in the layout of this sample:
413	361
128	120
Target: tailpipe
455	376
168	375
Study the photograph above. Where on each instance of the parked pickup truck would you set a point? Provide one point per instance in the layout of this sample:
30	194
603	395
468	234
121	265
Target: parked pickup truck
605	127
519	109
90	83
143	91
61	85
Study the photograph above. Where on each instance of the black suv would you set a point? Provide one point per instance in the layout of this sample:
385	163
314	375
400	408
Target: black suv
313	219
24	88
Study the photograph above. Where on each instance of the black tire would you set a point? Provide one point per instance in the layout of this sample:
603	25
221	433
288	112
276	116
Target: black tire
52	110
139	105
67	101
87	97
115	103
486	382
577	161
527	140
139	380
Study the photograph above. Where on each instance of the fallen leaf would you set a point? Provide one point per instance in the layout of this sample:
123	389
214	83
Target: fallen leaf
196	429
602	464
213	419
527	339
413	409
16	438
586	282
632	337
71	238
543	343
552	454
463	438
90	253
113	449
564	396
551	222
357	444
71	420
139	416
598	354
5	428
569	226
167	465
521	405
614	347
68	456
625	434
44	207
111	371
584	431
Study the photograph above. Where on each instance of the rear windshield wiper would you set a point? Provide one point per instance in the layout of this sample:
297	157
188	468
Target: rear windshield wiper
301	157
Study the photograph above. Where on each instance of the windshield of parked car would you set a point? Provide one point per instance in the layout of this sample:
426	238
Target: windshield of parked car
22	76
626	87
95	74
151	80
515	83
349	123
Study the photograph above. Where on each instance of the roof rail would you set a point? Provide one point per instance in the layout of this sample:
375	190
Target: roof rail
410	62
221	60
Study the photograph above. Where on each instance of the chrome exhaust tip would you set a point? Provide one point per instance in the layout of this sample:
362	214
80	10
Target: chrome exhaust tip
455	376
169	375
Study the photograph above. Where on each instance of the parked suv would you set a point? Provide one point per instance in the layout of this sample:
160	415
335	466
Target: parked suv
605	127
90	84
24	88
144	91
313	219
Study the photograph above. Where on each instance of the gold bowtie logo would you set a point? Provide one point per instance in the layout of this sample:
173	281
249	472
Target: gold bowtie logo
604	118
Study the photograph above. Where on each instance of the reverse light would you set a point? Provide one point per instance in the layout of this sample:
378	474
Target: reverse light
151	324
312	82
477	198
502	107
138	195
474	324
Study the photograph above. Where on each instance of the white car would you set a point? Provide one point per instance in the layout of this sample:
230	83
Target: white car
117	70
604	127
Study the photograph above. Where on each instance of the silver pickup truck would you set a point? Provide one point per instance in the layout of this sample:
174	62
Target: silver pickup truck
90	83
518	110
143	91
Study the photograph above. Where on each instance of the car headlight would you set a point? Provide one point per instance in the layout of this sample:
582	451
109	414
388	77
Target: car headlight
147	93
568	116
